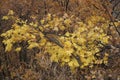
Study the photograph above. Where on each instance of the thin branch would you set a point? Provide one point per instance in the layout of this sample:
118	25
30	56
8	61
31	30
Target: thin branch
116	5
66	5
111	18
45	7
117	15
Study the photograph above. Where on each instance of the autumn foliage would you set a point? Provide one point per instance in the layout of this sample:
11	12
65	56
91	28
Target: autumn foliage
70	34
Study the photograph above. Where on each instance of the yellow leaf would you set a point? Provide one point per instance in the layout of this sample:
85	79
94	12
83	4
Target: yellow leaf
10	12
42	21
8	47
5	17
81	40
68	44
66	59
56	29
42	42
33	45
62	28
41	28
67	34
49	17
54	58
67	22
18	49
73	64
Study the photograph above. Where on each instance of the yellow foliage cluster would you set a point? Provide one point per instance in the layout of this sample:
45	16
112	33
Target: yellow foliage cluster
75	49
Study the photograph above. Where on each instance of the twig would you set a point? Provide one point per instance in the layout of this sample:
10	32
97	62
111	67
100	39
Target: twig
111	18
117	15
116	5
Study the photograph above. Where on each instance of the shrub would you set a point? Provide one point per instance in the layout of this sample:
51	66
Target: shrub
67	39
